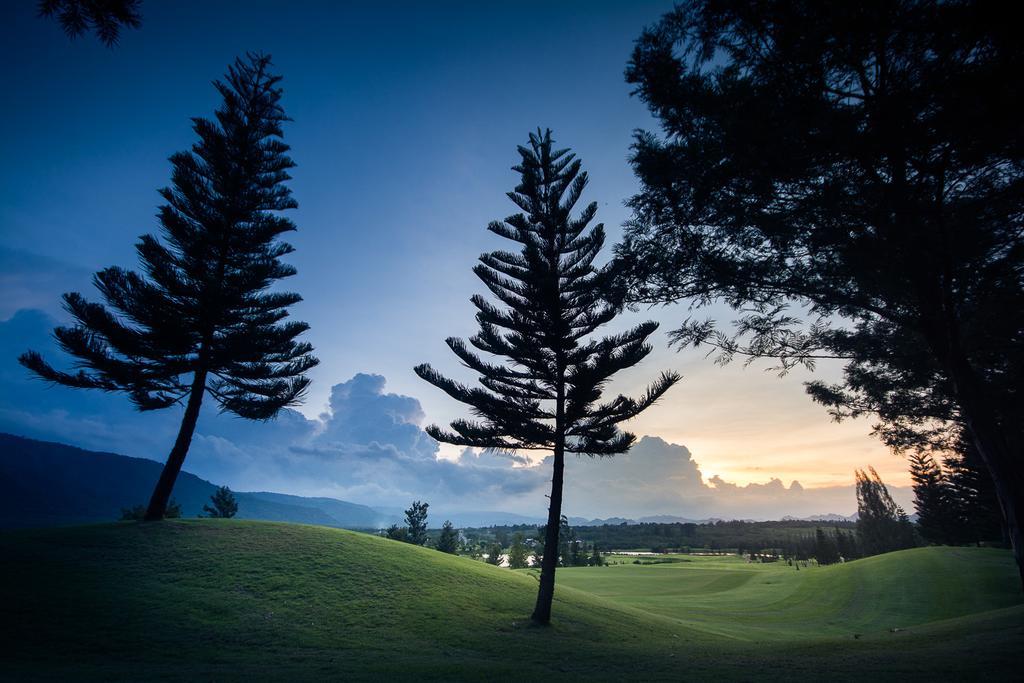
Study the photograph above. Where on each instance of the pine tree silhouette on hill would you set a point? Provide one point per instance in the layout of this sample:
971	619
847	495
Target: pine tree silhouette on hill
198	320
546	395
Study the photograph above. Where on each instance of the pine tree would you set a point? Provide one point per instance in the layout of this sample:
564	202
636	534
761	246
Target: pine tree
448	541
846	545
936	510
882	525
198	320
517	553
595	557
416	522
825	548
494	554
224	504
545	395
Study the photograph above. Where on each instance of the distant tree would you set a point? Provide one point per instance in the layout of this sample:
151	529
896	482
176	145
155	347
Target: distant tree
105	17
826	549
448	541
577	554
494	554
933	499
545	394
866	191
416	522
595	557
846	544
199	320
134	513
397	533
882	525
517	554
138	512
224	504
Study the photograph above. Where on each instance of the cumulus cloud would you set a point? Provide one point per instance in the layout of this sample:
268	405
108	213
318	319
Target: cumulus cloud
657	477
360	412
368	446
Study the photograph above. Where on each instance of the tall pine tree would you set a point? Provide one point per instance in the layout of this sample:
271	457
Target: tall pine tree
933	500
545	393
882	525
199	319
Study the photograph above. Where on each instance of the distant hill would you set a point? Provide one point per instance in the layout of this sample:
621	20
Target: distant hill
51	484
831	517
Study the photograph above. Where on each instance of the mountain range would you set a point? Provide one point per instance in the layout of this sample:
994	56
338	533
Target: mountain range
43	483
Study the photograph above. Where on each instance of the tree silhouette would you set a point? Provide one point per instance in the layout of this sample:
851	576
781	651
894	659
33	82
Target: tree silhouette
448	541
933	499
518	554
224	505
105	17
416	523
198	320
882	525
545	393
879	184
977	506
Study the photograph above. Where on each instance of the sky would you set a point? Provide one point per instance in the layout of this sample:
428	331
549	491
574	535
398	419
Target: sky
406	117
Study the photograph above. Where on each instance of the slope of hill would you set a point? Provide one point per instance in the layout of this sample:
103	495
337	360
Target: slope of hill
777	602
236	600
46	484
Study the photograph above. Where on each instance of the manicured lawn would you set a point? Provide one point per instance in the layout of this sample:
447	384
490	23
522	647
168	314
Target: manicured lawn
774	601
229	600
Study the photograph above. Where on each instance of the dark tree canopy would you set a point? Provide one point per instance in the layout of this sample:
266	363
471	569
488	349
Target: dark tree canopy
978	515
224	505
416	523
545	392
518	555
105	17
448	541
933	499
198	318
848	177
882	525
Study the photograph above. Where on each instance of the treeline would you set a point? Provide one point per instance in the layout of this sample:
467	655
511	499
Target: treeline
680	536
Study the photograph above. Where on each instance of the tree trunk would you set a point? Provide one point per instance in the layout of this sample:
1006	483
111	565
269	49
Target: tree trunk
1007	477
164	486
546	593
999	450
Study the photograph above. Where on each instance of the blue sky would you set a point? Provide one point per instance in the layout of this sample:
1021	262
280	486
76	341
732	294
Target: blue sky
406	119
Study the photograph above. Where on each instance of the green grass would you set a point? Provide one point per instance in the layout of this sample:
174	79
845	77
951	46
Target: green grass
230	600
775	602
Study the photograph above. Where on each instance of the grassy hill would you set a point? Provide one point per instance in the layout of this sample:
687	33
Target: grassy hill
776	602
231	600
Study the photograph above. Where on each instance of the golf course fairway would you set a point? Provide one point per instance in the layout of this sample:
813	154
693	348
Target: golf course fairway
230	600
